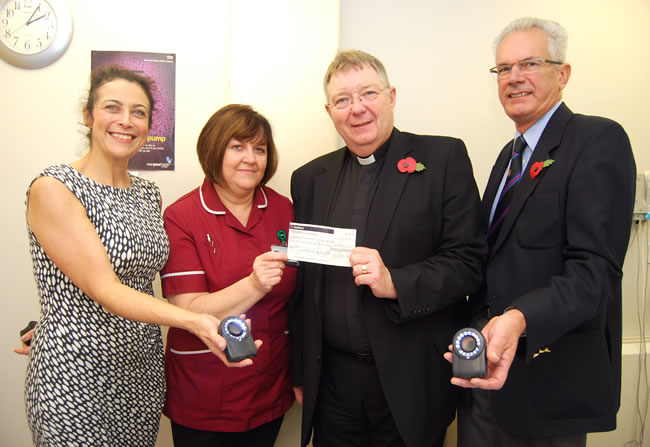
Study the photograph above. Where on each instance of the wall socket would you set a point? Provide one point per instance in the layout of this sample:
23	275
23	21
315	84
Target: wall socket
647	191
642	197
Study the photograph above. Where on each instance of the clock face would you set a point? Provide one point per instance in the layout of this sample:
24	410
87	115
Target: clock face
27	26
34	33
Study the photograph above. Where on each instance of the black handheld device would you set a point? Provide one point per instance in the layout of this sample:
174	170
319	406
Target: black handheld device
239	342
468	348
31	325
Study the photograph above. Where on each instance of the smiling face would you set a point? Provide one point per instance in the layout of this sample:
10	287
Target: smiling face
364	126
526	98
244	164
119	120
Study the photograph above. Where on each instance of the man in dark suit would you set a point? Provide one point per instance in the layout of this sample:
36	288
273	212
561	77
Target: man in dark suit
368	340
552	285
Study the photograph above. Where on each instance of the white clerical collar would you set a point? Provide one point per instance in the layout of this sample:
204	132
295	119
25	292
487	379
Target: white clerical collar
366	161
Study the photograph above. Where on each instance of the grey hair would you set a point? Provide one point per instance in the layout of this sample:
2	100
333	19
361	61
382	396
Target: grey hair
357	59
556	34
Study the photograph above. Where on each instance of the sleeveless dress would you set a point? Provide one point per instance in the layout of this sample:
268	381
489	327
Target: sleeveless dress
96	379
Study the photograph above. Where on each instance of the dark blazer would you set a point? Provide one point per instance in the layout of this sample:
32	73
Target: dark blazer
426	226
558	259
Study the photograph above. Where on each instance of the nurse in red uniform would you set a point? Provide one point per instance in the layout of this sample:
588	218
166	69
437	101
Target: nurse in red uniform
221	263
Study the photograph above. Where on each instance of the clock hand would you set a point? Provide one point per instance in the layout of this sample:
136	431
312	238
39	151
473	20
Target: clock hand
26	23
35	10
30	21
11	32
30	17
39	18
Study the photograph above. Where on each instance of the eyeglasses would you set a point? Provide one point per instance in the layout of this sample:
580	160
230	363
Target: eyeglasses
365	96
527	66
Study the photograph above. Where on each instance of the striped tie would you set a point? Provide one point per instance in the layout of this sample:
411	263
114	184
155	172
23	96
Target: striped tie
503	204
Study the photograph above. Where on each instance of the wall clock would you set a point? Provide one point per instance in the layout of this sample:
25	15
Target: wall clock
34	33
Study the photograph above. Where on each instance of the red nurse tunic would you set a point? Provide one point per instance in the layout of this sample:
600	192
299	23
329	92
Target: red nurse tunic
210	250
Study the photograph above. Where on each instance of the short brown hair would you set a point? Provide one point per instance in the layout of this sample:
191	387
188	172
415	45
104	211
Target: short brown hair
233	121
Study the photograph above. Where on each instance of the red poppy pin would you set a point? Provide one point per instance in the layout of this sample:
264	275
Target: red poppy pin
538	166
409	165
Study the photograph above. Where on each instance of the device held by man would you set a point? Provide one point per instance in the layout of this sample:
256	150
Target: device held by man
468	347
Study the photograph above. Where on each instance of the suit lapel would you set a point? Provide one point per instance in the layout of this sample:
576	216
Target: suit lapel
325	186
389	191
547	144
525	188
324	190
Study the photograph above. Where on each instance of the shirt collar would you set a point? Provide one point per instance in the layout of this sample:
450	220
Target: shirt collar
213	204
534	132
381	150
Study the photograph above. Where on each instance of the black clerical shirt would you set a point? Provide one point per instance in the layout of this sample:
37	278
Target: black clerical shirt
344	329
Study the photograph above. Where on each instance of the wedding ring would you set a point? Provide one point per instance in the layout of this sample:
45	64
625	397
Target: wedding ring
364	269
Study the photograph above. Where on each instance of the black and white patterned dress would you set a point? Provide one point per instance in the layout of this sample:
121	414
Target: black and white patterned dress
96	379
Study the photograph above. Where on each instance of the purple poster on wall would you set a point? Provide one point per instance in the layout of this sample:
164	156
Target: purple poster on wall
157	154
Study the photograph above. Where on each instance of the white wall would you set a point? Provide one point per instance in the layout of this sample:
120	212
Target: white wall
438	54
280	51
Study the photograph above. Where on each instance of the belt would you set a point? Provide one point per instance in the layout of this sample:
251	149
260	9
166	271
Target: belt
365	357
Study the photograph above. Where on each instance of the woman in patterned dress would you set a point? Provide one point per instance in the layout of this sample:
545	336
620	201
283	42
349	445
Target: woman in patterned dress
95	374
